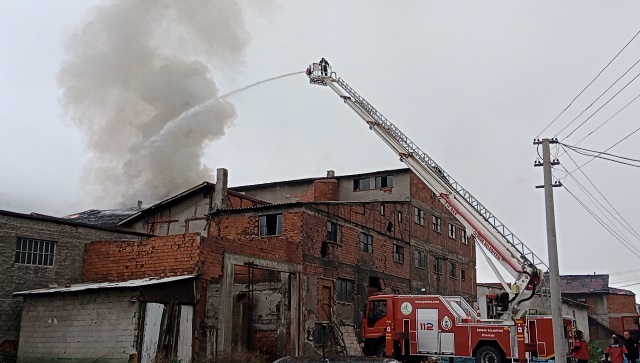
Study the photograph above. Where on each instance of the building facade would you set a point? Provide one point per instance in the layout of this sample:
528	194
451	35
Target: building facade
37	251
279	261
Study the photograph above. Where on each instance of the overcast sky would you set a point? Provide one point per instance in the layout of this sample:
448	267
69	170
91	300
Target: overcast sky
472	83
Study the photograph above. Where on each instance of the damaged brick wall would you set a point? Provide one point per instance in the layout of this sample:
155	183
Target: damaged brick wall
155	257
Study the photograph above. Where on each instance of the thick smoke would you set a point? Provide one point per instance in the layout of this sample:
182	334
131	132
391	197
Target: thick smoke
138	81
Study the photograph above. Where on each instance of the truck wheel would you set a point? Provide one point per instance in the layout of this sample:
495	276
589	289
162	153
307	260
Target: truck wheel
381	351
488	354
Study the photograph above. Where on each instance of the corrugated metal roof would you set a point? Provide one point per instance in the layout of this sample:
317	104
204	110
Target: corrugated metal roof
104	285
68	222
108	218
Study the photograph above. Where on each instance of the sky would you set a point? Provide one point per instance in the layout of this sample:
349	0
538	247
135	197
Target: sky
472	83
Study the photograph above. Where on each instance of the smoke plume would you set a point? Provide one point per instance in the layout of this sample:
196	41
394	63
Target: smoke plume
138	81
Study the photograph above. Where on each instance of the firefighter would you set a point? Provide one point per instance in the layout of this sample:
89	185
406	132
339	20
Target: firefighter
324	66
580	348
616	351
632	347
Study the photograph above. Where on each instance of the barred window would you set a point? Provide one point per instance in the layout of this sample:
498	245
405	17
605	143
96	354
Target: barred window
35	252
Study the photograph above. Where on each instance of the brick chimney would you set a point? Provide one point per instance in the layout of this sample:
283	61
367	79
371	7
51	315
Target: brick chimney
220	193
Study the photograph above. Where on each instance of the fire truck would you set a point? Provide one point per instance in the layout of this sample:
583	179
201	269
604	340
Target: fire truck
414	326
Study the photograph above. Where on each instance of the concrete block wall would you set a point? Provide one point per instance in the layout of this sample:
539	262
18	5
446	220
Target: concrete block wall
70	240
79	326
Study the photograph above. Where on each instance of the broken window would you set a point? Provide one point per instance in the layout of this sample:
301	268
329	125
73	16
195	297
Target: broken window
452	270
465	237
344	291
384	181
332	231
35	252
419	216
436	224
419	259
398	253
366	242
361	184
271	225
437	266
452	231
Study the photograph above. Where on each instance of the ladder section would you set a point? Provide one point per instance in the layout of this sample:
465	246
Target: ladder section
526	253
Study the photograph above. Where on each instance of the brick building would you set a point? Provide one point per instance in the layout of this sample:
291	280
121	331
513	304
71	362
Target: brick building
606	304
37	251
282	258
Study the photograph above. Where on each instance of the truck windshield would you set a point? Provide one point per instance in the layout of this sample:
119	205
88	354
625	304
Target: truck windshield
377	309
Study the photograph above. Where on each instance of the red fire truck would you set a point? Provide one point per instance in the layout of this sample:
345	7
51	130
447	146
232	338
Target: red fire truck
411	327
417	326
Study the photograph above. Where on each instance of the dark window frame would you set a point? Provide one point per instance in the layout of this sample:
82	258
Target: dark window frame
366	243
266	227
452	231
437	266
452	270
398	252
332	232
419	259
463	275
436	224
384	181
344	291
464	237
418	215
361	184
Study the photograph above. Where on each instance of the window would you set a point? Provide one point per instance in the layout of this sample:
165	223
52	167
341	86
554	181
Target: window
384	181
344	291
463	275
377	310
398	253
419	259
452	270
437	266
399	216
366	242
381	209
436	224
271	225
452	231
419	216
361	184
35	252
465	237
332	231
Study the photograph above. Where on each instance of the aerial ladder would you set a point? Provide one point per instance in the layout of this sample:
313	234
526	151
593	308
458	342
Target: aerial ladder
529	272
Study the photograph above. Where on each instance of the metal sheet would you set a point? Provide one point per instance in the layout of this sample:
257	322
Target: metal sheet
447	343
152	320
185	337
427	330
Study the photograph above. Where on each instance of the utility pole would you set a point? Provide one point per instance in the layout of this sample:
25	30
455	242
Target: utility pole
559	342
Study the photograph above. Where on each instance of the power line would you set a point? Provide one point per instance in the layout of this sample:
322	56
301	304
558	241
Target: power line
630	229
609	148
586	152
599	220
600	96
600	108
609	119
581	92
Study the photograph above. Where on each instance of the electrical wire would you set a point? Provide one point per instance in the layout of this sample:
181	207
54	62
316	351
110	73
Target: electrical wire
593	80
630	229
600	108
599	220
584	151
609	148
600	96
609	119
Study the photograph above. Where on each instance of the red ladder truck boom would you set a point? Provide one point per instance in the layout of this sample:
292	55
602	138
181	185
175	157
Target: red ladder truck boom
526	268
412	327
